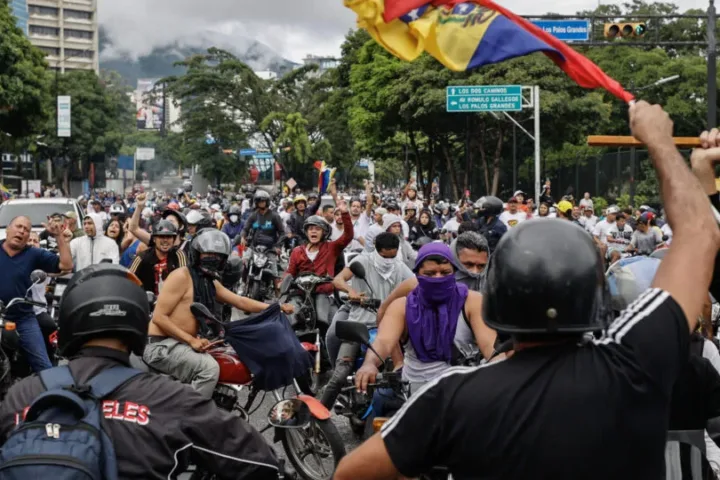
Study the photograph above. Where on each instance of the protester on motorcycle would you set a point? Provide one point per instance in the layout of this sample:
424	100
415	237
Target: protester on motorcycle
170	214
302	212
382	274
92	247
319	256
645	239
406	254
554	377
491	227
233	227
619	236
265	228
427	322
17	261
173	343
95	338
153	266
602	229
375	229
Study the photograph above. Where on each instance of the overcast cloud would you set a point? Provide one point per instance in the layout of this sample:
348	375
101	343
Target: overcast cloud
293	28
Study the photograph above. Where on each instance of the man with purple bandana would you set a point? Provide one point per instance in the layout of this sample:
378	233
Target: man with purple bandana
437	316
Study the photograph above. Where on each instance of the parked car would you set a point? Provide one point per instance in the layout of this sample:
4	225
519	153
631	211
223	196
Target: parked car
38	209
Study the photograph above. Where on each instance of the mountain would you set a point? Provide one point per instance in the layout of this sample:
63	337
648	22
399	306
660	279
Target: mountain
160	62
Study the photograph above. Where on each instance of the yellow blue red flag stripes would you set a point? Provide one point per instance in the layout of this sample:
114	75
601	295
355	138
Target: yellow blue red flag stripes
6	194
464	35
325	177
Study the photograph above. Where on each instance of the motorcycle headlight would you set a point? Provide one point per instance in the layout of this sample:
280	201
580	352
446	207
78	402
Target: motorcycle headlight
259	260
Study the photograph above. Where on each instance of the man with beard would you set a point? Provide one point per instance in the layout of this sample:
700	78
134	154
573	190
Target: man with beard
154	266
173	343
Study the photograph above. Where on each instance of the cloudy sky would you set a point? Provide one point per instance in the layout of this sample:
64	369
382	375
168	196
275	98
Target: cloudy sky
293	28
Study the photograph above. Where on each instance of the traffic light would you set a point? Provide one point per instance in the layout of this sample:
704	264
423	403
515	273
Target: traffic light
615	30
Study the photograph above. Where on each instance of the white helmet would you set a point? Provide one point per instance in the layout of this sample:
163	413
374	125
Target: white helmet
117	208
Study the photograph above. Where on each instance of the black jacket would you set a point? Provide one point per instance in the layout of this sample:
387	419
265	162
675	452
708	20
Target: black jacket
156	423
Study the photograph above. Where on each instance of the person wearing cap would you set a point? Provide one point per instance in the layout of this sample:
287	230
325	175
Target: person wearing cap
520	197
602	229
375	229
426	322
93	248
71	224
645	239
618	238
513	216
588	219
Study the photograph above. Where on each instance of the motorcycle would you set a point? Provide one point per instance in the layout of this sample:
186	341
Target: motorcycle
13	365
302	424
258	273
310	329
358	407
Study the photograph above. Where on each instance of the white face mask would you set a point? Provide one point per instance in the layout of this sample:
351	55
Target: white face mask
384	266
233	218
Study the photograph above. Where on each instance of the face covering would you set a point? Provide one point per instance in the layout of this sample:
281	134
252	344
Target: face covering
384	266
233	218
431	313
211	265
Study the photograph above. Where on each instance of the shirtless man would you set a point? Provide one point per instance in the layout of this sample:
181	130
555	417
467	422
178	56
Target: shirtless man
173	345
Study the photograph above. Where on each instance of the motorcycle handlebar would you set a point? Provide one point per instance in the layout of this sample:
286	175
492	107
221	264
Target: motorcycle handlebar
367	303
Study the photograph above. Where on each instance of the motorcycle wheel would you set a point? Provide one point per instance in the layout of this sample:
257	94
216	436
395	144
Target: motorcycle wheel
319	440
255	291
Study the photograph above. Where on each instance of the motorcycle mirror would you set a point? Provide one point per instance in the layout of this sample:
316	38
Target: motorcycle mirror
150	297
38	276
358	270
285	285
292	413
352	332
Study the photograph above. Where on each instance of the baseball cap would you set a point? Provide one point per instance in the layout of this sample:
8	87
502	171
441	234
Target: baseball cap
512	200
519	192
70	214
381	211
564	206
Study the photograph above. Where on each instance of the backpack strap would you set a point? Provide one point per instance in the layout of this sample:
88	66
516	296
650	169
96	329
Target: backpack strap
57	377
107	381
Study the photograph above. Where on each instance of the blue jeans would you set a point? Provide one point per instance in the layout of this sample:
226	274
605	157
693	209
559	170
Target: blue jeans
32	344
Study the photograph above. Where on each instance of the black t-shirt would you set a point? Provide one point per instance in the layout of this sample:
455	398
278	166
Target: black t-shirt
594	411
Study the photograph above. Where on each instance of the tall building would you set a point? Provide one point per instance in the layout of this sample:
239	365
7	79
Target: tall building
67	31
19	8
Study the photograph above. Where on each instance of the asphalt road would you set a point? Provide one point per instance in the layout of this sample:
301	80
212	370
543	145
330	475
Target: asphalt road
262	407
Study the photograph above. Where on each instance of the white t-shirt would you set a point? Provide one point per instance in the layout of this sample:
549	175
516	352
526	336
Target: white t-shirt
335	232
451	225
360	227
311	255
666	230
621	241
588	222
513	219
586	202
602	230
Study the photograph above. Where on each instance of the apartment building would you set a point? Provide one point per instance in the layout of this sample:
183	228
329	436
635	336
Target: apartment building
67	31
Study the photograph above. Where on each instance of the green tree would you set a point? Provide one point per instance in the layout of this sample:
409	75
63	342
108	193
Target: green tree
24	92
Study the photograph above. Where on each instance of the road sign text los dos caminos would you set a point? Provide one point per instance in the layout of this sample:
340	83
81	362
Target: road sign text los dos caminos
484	98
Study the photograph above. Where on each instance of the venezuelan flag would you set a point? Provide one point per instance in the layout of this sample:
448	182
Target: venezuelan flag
6	194
325	177
463	35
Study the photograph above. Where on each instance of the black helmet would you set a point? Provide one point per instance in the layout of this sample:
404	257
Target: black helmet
318	221
489	206
570	298
210	240
235	210
181	218
164	228
233	271
103	300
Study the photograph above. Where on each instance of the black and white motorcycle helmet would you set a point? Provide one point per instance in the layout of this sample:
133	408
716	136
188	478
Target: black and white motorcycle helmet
261	195
117	209
199	219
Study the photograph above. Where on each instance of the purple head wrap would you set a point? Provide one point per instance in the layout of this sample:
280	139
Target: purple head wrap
433	308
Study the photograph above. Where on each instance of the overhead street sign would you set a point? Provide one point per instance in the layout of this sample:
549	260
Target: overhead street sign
263	155
484	98
247	151
566	30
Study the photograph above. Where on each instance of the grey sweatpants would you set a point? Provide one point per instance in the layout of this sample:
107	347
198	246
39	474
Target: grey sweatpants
178	359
